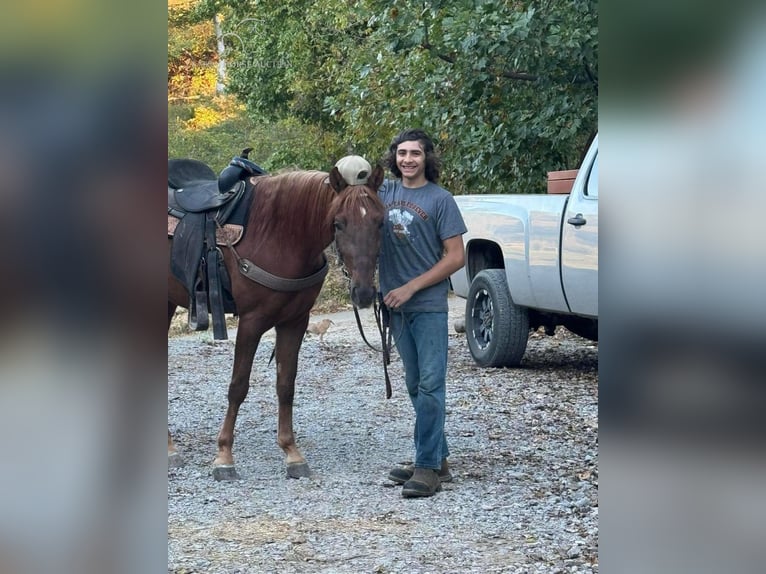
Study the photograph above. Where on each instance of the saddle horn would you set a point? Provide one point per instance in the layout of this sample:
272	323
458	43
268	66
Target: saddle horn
239	168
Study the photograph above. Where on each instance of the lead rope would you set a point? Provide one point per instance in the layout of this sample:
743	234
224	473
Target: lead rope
382	319
382	322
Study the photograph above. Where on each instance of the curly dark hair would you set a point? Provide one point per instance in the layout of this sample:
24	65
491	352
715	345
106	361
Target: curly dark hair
433	163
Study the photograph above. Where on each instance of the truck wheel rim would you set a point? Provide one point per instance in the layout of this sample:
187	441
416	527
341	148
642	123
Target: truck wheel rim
482	317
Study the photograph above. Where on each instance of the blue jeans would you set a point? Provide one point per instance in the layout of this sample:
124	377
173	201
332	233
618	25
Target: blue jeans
421	339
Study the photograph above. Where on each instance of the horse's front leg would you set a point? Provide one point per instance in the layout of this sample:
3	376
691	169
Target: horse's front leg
289	340
248	336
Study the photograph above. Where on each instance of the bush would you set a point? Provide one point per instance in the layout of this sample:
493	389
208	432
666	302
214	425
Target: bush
214	129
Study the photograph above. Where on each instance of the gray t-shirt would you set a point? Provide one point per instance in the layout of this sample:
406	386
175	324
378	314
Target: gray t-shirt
417	222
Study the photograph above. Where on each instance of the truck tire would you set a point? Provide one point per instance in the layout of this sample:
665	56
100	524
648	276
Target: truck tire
496	328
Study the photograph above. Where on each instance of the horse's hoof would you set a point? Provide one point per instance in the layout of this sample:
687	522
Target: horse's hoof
175	460
298	470
225	472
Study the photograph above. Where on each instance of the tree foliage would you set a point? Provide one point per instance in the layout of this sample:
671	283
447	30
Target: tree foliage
508	88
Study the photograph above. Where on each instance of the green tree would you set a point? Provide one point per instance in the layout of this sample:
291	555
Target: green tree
509	88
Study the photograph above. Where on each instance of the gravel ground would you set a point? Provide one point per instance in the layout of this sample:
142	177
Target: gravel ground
524	448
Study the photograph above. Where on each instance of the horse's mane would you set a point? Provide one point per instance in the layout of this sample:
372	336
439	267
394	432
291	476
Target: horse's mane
290	206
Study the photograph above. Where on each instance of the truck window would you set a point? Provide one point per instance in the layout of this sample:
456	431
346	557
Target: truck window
591	189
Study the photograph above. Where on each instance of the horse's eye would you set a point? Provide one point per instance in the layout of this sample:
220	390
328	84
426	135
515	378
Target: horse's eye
339	225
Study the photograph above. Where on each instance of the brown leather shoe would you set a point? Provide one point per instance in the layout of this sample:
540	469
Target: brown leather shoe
424	482
402	474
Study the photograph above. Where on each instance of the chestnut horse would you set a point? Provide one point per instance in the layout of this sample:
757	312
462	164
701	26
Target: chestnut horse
293	218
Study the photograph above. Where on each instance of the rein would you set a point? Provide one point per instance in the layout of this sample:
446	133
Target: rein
382	322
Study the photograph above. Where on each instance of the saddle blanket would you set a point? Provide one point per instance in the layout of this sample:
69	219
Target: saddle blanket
231	232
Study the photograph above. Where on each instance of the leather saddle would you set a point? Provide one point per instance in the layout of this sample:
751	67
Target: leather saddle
203	202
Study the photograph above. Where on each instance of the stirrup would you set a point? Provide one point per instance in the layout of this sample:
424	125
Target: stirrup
198	313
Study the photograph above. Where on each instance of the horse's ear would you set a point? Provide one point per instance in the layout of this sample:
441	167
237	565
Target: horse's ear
375	179
336	180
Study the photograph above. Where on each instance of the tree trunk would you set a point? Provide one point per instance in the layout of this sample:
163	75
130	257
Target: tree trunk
221	78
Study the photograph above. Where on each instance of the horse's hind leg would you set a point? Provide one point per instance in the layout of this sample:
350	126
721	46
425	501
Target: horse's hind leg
248	336
289	341
174	458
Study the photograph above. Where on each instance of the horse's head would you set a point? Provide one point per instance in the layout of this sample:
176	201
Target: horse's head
357	217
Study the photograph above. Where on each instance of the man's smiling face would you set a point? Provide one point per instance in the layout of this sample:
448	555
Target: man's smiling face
411	161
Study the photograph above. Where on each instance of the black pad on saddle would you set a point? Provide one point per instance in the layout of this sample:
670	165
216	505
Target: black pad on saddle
204	196
182	172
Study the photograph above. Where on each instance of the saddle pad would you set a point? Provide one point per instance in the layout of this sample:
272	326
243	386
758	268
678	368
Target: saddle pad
230	231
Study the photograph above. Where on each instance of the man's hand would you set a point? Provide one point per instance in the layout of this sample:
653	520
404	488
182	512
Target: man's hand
454	259
399	296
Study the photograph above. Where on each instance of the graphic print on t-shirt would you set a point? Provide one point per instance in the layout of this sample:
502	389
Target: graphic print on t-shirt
402	217
400	223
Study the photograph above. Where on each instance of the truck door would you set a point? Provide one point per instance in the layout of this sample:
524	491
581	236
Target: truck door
579	240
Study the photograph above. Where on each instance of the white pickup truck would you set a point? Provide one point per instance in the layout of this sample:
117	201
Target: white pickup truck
531	261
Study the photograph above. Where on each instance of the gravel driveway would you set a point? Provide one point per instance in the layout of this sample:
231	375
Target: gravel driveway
524	448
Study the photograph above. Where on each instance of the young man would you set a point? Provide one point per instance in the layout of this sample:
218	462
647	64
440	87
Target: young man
421	247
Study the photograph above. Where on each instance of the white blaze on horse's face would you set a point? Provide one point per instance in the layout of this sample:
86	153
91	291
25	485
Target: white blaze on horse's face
363	211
